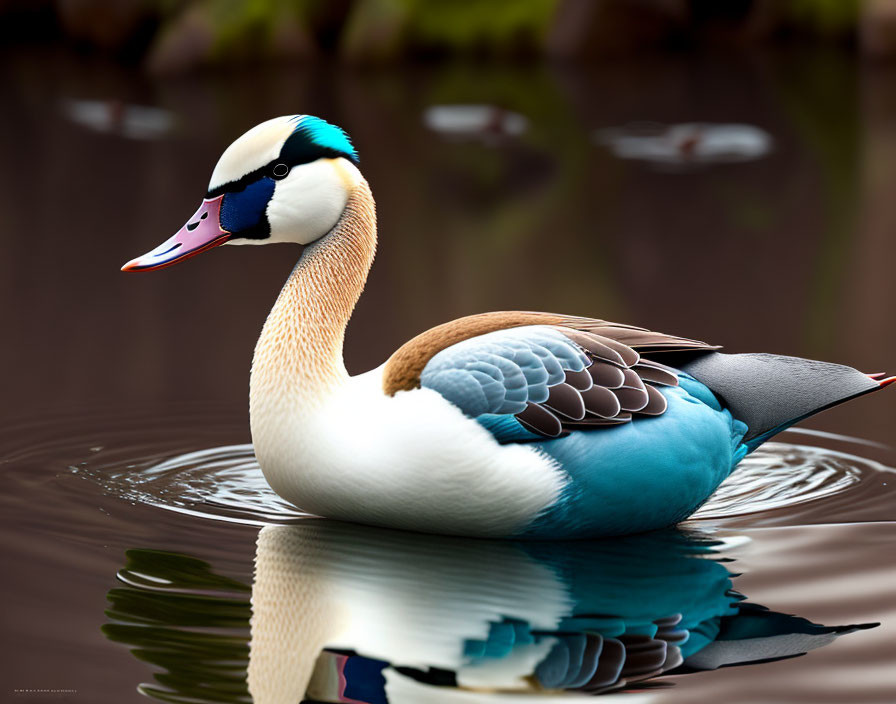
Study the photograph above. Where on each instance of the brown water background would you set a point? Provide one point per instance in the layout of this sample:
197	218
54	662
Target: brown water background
792	253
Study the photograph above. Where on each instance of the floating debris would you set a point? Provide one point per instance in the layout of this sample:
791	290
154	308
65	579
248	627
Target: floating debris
687	143
487	123
117	117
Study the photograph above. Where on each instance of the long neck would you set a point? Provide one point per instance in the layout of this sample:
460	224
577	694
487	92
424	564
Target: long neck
298	357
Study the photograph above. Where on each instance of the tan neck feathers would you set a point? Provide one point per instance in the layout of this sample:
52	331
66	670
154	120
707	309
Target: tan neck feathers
300	347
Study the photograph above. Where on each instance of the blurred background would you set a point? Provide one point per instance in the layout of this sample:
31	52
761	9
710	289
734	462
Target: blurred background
718	169
721	169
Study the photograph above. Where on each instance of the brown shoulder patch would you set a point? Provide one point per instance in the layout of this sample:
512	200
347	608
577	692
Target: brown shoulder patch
403	369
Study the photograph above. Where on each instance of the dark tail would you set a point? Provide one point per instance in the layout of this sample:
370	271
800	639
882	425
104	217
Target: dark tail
756	634
771	392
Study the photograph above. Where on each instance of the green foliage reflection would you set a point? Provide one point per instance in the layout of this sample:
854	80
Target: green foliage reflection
190	623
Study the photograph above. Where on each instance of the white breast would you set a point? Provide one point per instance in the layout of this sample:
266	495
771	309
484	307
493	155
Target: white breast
411	461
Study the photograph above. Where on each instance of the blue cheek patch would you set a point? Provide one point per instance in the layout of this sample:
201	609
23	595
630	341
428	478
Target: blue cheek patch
242	213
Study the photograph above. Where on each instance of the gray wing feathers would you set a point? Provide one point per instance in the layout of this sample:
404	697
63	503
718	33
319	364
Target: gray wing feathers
503	371
551	378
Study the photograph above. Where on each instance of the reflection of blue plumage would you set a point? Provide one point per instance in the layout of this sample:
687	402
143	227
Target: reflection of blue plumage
628	586
576	615
349	613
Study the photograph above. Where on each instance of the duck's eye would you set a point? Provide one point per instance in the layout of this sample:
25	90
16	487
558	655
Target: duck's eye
280	170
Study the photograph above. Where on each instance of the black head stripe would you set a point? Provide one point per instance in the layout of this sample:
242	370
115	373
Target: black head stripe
312	139
301	148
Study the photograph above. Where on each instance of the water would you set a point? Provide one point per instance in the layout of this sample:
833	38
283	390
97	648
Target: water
226	483
191	532
133	513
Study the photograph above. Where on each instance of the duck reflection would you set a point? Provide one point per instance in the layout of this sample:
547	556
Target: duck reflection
343	613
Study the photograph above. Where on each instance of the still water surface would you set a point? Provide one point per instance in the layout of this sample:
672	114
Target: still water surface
136	524
177	539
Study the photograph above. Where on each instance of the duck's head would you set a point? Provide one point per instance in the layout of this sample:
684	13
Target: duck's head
285	180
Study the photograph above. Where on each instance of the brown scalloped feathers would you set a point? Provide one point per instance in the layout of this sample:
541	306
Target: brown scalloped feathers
566	402
540	421
570	408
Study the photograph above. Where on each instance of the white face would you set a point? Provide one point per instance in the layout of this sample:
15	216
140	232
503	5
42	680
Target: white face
285	180
305	204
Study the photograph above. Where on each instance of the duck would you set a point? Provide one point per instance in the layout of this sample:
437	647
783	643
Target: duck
510	424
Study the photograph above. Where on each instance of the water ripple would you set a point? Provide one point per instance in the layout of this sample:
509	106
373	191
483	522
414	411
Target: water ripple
778	475
223	483
226	483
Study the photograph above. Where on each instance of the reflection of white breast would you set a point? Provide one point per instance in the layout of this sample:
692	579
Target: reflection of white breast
408	599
